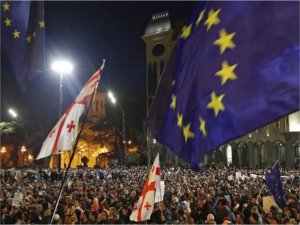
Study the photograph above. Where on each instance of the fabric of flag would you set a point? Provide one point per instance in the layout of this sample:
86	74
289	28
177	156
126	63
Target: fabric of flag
62	137
275	186
234	69
144	207
22	38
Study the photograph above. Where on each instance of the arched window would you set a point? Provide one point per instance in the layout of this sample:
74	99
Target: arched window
229	154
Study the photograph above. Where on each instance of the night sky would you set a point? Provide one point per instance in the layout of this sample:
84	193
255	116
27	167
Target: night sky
85	33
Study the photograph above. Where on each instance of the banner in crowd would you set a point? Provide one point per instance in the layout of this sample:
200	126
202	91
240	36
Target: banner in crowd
144	207
268	201
18	197
160	192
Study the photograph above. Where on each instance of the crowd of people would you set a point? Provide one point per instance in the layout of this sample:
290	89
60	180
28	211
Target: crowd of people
225	195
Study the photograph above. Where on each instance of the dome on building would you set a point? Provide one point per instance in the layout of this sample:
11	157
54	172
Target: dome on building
159	22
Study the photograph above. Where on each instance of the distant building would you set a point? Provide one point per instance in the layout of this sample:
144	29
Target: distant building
279	140
98	141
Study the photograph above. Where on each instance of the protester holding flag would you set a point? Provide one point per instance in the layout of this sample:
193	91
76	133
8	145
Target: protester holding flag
144	207
275	186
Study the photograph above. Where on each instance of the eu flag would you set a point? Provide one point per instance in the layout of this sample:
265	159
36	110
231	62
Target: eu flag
235	68
22	38
274	184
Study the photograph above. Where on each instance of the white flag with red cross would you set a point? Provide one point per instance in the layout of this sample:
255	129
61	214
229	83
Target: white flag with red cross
62	137
144	207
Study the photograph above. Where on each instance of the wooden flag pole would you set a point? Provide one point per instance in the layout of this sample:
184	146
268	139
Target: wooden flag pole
74	149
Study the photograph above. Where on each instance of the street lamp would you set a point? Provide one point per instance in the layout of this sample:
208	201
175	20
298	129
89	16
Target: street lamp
114	101
23	150
3	151
62	67
13	113
30	158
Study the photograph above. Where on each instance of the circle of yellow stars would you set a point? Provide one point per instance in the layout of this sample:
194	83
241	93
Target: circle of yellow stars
16	34
225	42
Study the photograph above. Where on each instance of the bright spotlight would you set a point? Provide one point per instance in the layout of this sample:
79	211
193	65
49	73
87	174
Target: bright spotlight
62	66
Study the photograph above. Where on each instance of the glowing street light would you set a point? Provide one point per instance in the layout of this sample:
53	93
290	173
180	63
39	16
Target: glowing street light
114	101
30	158
23	149
112	97
3	150
13	113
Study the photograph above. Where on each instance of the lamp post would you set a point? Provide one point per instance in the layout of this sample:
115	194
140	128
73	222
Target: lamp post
62	67
14	115
30	159
114	101
3	151
23	150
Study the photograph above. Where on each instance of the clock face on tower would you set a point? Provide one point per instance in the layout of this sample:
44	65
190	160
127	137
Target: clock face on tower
158	50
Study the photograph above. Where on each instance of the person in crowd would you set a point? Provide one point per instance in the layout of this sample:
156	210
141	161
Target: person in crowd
107	196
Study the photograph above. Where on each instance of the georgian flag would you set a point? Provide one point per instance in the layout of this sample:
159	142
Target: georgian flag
62	137
144	207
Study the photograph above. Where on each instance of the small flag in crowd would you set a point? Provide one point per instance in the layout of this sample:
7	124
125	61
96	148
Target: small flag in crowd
62	137
144	207
235	68
22	38
275	186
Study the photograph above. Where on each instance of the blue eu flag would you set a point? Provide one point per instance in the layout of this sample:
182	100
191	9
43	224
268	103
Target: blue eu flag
22	38
274	184
234	69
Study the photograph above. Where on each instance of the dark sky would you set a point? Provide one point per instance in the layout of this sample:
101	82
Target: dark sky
85	33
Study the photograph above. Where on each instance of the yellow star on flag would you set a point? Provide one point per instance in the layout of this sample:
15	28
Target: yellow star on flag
187	133
7	22
16	34
202	126
200	17
42	24
173	103
179	120
212	19
6	6
186	31
225	41
216	103
28	39
227	72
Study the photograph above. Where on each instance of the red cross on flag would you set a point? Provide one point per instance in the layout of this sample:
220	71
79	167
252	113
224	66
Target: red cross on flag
62	137
144	207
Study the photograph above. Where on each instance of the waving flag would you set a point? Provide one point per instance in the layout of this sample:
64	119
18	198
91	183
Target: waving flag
64	133
275	186
234	69
22	38
144	207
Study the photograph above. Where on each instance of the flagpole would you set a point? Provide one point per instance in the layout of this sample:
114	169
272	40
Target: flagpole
74	148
